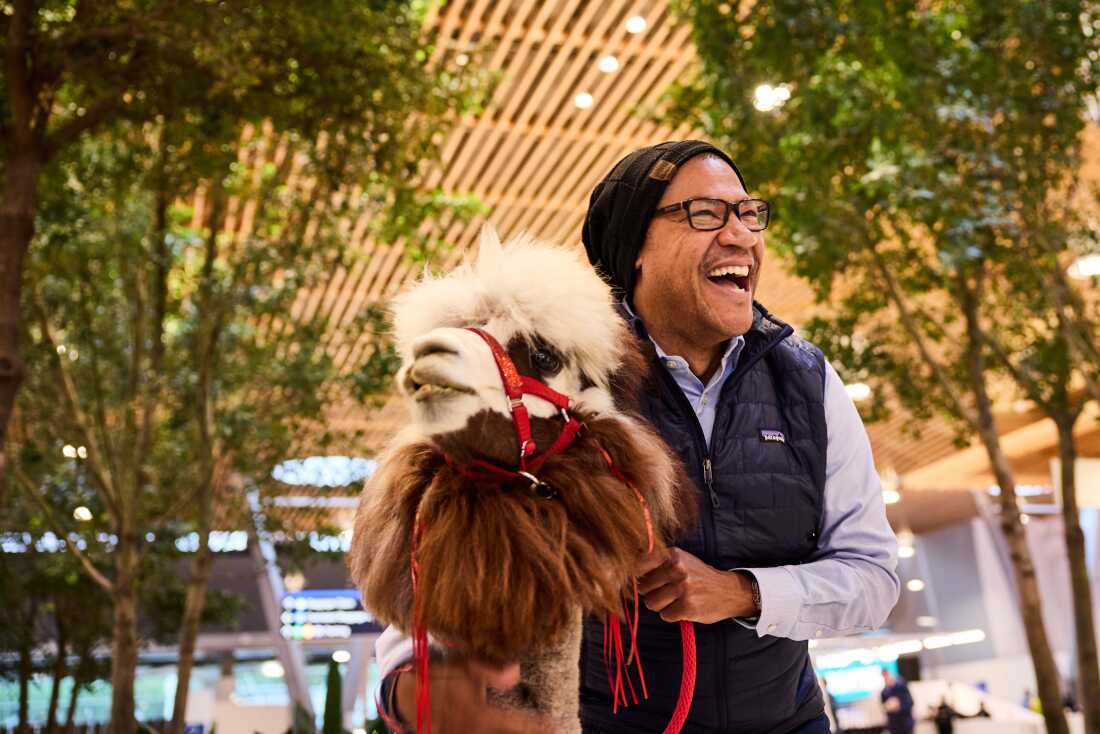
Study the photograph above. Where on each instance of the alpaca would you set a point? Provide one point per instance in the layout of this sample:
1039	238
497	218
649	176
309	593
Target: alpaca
482	533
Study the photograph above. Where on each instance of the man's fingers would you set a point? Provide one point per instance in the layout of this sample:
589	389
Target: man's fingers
651	561
667	573
675	612
662	596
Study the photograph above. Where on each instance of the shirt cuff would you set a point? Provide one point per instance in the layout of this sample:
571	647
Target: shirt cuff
780	601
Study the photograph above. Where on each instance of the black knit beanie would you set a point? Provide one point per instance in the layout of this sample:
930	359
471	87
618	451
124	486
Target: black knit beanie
622	205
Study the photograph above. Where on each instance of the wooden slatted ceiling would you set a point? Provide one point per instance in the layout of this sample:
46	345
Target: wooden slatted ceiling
533	158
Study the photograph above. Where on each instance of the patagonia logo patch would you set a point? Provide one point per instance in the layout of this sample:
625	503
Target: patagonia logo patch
776	436
663	170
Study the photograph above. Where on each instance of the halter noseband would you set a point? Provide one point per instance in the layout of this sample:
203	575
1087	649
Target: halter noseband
515	387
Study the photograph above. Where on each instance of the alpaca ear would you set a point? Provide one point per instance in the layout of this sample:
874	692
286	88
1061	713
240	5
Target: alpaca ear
490	241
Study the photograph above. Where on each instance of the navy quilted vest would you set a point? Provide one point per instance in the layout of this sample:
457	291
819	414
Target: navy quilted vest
760	505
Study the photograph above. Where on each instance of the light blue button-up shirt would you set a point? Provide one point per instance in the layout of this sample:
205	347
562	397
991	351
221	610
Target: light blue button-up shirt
850	584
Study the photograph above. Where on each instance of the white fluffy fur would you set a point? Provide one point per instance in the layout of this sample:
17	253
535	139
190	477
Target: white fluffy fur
525	286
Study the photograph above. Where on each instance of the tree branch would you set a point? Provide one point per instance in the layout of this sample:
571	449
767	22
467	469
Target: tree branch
918	338
160	297
31	491
68	388
1022	377
99	111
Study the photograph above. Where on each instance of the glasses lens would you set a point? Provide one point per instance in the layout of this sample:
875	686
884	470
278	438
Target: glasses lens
754	214
707	213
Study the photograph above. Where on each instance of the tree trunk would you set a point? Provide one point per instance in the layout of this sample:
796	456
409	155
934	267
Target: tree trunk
58	674
1027	587
125	647
189	629
17	209
25	672
74	694
1088	667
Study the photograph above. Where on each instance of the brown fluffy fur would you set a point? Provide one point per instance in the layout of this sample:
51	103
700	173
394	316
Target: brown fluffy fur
504	571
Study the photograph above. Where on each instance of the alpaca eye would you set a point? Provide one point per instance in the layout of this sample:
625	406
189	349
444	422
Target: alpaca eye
546	361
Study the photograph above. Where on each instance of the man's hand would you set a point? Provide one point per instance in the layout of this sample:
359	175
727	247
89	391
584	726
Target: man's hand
458	698
680	587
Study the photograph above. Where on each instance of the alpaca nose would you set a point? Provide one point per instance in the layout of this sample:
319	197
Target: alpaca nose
442	344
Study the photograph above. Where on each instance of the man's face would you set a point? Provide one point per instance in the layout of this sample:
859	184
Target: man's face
678	285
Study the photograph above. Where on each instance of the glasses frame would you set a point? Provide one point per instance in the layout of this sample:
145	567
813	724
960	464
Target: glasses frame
734	206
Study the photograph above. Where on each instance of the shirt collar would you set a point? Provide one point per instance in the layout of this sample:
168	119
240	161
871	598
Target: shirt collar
727	364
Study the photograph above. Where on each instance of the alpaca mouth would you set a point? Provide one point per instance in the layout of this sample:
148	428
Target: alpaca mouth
427	384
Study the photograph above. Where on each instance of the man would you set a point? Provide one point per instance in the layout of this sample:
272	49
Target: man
792	541
898	704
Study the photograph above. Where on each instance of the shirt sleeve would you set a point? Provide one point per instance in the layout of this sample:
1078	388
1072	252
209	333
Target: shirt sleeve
850	584
392	649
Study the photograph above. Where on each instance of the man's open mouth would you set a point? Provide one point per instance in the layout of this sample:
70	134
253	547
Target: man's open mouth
736	277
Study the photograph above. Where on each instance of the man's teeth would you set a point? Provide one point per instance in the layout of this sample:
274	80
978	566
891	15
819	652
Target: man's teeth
729	270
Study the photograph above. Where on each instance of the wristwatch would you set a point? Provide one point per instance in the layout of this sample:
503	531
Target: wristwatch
754	587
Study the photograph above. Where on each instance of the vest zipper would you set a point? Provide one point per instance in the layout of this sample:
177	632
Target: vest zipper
710	531
708	479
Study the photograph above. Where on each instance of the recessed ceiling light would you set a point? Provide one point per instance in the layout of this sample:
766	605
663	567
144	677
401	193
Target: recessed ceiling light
858	391
635	24
915	585
1087	266
583	100
609	64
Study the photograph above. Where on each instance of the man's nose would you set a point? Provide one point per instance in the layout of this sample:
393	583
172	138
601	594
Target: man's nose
736	234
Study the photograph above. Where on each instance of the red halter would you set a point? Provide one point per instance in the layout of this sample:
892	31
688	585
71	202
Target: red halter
515	387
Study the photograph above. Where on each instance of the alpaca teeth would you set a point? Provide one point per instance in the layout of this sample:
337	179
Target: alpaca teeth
739	270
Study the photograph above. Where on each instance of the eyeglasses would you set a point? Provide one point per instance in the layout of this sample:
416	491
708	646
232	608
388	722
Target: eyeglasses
711	214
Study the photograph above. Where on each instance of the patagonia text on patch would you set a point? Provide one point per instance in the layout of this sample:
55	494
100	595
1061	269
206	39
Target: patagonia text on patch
768	435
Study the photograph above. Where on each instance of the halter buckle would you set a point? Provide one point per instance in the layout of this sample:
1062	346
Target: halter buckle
541	489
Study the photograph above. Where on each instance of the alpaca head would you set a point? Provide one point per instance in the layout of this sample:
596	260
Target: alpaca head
504	569
544	305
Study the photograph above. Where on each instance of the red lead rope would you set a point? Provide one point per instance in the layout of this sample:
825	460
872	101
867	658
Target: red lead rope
613	642
515	386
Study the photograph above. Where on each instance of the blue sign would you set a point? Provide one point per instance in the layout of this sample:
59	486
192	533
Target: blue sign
856	680
325	614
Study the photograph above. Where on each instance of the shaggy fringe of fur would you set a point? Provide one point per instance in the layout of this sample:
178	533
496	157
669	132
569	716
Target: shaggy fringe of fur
503	571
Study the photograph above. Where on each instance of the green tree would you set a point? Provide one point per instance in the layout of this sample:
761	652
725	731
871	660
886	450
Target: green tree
183	332
333	722
164	344
922	158
359	71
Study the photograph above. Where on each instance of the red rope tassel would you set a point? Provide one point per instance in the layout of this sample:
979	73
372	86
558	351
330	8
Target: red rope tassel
687	635
420	641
